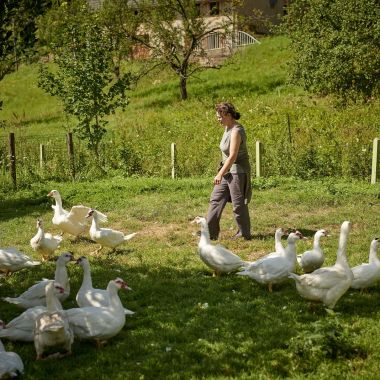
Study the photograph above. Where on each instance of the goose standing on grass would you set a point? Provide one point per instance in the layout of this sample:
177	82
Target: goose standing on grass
218	258
367	275
73	222
327	285
11	364
309	261
100	323
44	243
12	260
89	296
106	237
22	327
52	330
36	294
274	269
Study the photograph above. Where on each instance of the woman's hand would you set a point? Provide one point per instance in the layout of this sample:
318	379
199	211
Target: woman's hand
217	179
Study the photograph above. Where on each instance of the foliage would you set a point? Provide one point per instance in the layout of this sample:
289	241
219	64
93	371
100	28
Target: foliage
84	80
336	47
302	135
18	31
174	33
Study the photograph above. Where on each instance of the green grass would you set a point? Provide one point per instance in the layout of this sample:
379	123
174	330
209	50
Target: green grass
245	332
326	141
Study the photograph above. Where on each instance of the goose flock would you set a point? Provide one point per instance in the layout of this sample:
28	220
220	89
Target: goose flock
100	314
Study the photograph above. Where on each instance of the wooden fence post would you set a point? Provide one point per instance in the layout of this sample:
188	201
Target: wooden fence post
174	159
12	156
259	153
70	151
375	160
42	156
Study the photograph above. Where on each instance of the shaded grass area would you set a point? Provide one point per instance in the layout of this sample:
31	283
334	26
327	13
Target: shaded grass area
188	324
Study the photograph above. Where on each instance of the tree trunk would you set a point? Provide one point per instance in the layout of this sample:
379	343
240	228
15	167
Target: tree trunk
183	87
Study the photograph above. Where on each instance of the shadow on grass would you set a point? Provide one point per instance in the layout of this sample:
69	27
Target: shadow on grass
188	324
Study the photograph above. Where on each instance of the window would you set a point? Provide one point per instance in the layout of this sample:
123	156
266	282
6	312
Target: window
214	8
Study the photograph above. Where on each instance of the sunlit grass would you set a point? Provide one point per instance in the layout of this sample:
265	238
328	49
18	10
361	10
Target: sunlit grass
188	324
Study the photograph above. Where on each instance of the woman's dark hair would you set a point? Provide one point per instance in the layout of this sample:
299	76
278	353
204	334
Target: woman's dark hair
227	108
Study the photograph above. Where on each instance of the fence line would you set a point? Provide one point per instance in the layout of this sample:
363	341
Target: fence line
41	159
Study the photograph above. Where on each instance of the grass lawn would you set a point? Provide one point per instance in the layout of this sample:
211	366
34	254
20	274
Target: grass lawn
188	324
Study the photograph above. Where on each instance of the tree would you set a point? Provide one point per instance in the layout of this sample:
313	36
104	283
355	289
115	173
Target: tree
17	31
84	77
173	32
336	46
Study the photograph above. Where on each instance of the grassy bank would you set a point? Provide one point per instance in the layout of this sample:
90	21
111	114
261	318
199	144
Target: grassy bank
303	135
188	324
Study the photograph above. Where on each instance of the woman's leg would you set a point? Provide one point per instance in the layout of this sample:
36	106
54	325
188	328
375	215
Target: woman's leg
219	197
237	184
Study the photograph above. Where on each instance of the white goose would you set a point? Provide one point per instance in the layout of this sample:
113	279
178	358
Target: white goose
309	261
274	269
12	260
73	222
106	237
327	285
366	275
52	330
44	243
35	295
100	323
22	327
217	257
89	296
11	364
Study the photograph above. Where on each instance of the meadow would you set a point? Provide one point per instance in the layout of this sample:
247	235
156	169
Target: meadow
304	135
187	323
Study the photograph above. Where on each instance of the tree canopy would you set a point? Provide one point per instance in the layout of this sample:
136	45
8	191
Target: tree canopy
336	46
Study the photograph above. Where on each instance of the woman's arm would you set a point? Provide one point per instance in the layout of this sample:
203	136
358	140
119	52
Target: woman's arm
234	150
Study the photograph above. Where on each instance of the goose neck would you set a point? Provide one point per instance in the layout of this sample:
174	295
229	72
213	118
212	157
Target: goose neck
373	258
316	244
205	235
52	303
60	275
115	302
87	281
341	257
58	203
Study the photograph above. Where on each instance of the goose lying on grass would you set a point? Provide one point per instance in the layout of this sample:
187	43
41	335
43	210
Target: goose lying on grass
367	275
11	364
12	260
73	222
36	294
44	243
327	285
52	330
89	296
100	323
22	327
309	261
106	237
274	269
218	258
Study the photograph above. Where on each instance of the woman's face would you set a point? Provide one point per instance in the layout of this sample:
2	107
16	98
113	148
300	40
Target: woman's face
222	117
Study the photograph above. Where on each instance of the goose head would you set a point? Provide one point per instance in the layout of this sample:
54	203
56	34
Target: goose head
279	233
54	287
97	215
82	261
65	257
375	243
199	220
120	284
54	194
321	233
90	213
39	223
294	236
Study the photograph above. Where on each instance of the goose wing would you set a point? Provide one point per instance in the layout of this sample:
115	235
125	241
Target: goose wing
78	214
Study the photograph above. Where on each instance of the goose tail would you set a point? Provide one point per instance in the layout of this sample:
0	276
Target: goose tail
130	236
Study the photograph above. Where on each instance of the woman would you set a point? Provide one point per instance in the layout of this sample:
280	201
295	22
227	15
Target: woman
233	181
